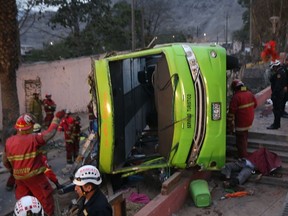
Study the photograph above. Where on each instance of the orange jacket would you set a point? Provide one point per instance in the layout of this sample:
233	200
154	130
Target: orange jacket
241	109
67	125
49	105
22	153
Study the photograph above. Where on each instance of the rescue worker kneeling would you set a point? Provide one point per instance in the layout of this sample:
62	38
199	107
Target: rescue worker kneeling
91	199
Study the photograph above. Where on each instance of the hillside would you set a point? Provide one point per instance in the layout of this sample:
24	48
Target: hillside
209	16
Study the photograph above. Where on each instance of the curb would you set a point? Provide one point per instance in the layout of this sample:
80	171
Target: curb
166	205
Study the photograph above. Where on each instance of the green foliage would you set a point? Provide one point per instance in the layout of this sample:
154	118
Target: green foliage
97	27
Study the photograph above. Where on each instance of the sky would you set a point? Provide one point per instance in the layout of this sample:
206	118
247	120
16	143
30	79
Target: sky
22	4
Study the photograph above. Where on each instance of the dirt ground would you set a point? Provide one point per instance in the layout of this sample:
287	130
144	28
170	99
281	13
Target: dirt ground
143	185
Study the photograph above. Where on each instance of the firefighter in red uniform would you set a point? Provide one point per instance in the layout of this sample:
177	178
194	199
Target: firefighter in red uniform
23	157
76	136
67	125
49	108
48	172
241	115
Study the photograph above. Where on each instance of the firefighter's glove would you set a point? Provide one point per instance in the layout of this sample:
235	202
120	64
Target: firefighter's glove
79	159
60	114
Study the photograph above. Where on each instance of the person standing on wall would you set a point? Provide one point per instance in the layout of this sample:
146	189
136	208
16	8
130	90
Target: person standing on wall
35	108
278	85
23	156
241	115
49	108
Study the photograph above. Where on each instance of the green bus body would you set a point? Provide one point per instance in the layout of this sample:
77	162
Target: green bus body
176	91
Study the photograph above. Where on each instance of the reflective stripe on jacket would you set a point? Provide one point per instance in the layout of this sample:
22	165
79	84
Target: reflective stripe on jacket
23	155
242	106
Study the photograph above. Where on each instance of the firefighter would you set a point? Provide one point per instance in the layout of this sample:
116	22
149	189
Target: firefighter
67	125
76	133
278	85
28	206
49	108
48	172
241	115
22	155
35	108
91	200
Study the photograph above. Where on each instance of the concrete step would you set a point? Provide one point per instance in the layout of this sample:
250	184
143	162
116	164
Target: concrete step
273	142
266	136
255	141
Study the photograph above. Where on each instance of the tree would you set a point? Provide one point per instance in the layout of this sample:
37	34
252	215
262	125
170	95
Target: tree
156	14
262	11
9	62
117	32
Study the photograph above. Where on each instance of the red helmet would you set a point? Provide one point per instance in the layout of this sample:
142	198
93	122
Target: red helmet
236	83
48	95
25	122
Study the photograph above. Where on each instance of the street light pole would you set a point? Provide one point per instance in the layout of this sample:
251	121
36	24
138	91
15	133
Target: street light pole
133	25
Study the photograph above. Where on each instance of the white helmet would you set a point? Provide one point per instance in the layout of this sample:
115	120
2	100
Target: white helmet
28	205
274	63
87	174
36	128
67	111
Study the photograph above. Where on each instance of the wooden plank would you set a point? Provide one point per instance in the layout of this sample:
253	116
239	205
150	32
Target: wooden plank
170	183
118	204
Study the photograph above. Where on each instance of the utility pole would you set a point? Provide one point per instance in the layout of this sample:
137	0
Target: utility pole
226	30
250	27
133	37
142	28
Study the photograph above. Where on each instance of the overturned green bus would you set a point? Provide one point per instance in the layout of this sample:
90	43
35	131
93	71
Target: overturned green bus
161	107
